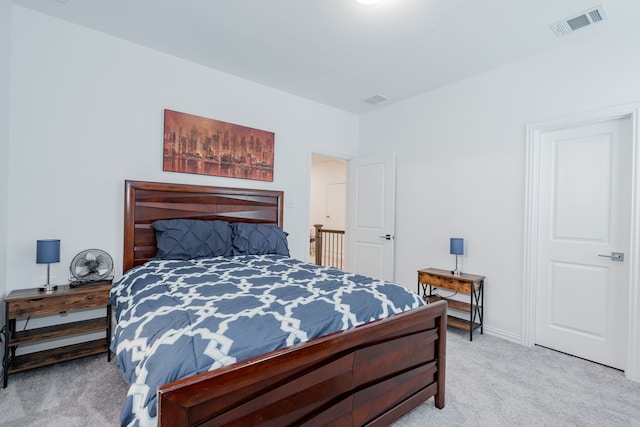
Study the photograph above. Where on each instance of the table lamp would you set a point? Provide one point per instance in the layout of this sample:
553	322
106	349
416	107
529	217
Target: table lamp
456	247
48	251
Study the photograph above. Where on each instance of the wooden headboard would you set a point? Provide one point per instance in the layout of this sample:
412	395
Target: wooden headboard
146	202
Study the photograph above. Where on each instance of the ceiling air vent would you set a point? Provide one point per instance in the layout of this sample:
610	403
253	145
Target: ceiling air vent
375	99
584	19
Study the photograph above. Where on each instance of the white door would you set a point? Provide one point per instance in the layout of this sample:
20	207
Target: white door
370	224
584	217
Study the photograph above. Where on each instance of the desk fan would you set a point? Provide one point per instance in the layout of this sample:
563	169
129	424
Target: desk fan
90	266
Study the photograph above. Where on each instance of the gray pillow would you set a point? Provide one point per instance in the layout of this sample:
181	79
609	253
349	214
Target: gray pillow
188	239
259	239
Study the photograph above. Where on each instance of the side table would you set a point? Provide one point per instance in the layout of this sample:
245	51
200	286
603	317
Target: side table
471	284
24	303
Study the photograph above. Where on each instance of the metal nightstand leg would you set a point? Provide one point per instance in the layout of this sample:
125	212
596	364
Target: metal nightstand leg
7	331
477	306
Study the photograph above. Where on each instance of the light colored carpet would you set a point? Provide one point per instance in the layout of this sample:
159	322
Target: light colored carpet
490	382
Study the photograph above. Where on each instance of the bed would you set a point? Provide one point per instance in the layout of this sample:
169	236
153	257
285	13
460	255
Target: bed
364	373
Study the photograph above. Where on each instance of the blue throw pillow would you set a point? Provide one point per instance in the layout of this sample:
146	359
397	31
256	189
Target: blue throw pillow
188	239
259	239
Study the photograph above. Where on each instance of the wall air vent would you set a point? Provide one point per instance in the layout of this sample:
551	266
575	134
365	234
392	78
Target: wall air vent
584	19
375	99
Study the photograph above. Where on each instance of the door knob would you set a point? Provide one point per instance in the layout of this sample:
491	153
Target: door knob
615	256
386	237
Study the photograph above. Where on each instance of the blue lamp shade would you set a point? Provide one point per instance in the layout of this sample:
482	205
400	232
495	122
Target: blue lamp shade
456	246
48	251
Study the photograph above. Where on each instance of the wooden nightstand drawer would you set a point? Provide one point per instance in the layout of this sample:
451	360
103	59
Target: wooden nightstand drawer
49	305
455	284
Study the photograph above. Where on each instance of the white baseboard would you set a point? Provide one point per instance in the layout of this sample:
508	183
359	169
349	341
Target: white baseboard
499	333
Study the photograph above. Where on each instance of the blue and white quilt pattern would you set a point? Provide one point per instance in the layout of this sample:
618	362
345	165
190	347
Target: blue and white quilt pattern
179	318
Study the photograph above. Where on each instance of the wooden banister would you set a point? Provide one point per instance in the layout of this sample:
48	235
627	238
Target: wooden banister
329	246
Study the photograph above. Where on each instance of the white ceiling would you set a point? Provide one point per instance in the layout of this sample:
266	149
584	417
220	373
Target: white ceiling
339	52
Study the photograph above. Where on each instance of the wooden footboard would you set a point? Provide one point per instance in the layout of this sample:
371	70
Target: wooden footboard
369	375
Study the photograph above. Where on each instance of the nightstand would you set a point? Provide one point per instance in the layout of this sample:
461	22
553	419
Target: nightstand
25	303
469	284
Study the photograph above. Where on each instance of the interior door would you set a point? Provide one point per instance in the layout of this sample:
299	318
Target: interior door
584	232
370	224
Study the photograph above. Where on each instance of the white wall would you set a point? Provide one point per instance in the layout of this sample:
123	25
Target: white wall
461	159
87	113
5	55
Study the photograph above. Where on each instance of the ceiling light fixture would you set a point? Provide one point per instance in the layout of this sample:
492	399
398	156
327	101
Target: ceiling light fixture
367	1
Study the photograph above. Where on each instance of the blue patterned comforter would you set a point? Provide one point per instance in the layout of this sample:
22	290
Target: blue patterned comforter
179	318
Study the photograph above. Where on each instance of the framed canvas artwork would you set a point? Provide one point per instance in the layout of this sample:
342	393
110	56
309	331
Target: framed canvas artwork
194	144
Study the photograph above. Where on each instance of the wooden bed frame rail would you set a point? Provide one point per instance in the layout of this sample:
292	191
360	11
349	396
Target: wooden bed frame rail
370	375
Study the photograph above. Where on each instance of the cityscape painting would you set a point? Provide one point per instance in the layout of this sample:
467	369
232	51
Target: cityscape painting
194	144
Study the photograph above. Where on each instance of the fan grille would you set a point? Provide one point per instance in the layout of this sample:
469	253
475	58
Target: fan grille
91	265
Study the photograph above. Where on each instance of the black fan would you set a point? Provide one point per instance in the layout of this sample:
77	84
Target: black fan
91	265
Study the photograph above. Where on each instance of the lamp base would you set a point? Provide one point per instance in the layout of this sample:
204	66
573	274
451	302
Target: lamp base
48	288
456	272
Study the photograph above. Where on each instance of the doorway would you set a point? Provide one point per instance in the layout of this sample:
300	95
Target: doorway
575	285
358	197
327	213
